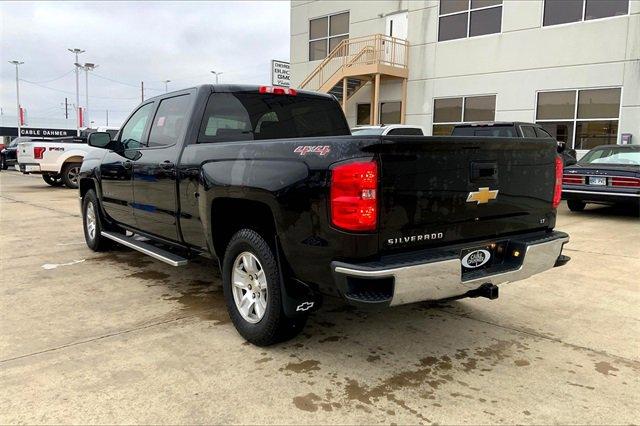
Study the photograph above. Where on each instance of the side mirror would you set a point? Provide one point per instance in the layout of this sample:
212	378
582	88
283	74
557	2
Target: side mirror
99	139
561	147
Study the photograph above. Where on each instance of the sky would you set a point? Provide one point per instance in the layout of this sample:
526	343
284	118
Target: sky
133	42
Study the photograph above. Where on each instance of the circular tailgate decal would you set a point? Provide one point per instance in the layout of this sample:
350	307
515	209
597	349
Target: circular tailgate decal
476	258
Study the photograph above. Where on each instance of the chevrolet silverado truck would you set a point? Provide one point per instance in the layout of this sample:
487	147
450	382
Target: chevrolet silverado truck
270	182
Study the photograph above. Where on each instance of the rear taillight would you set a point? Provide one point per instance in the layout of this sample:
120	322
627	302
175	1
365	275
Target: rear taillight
557	189
573	180
277	90
38	152
629	182
354	204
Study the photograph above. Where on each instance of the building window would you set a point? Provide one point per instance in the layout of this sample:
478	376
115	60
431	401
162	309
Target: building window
447	112
326	33
583	119
469	18
363	114
390	112
565	11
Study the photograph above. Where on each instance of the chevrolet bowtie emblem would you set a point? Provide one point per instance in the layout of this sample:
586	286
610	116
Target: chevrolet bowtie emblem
482	195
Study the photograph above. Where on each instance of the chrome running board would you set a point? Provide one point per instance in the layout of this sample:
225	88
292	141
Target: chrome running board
145	248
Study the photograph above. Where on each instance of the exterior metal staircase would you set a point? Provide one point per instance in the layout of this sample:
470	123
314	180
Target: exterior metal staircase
353	85
356	61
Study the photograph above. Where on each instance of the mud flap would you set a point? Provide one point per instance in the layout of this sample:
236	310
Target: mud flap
297	297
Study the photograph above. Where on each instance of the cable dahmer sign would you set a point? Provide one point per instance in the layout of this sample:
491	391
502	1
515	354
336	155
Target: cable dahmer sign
280	74
26	131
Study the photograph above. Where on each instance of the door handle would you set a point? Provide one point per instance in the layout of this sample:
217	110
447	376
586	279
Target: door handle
127	164
167	165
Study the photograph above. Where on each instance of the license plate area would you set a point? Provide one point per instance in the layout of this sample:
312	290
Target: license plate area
481	257
596	180
502	256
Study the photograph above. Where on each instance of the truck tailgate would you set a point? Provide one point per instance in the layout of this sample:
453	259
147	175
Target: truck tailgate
452	189
25	152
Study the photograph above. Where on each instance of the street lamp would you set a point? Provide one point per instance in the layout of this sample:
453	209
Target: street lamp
88	66
216	74
17	64
165	85
77	51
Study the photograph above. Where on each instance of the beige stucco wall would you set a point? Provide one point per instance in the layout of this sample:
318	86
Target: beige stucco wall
525	58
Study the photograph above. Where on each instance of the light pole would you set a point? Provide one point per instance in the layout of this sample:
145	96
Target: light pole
77	51
166	89
17	64
216	74
88	66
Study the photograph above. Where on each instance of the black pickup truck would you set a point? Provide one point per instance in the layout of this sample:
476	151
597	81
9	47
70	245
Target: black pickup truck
270	182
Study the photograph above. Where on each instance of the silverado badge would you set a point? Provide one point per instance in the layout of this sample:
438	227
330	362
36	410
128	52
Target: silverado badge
482	195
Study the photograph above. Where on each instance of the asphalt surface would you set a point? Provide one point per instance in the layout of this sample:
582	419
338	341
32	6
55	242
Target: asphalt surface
121	338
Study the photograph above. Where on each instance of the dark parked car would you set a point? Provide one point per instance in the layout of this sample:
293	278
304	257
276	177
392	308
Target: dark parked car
513	129
270	182
608	174
9	155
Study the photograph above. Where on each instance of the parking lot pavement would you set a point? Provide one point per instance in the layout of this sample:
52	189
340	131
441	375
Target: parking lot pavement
120	338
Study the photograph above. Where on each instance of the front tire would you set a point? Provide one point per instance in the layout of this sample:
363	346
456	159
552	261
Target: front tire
70	173
251	284
576	205
92	223
53	179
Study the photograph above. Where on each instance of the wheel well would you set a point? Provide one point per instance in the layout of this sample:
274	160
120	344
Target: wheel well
229	215
86	185
74	159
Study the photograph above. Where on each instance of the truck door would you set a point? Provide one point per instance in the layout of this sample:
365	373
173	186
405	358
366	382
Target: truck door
154	171
116	169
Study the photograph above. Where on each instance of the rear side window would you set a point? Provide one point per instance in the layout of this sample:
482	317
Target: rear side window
494	131
541	133
170	121
405	132
252	116
528	131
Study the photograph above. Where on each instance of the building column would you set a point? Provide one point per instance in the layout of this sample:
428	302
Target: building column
375	101
344	95
403	105
373	88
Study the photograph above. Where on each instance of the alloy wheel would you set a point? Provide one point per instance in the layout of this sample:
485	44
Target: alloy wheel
91	223
73	173
249	286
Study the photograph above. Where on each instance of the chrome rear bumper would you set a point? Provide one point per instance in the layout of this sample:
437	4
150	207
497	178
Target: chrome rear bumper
442	277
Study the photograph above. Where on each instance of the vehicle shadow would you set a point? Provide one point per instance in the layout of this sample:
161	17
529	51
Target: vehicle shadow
362	359
197	289
618	210
412	329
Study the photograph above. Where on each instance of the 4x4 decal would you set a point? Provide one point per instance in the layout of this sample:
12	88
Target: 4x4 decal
321	150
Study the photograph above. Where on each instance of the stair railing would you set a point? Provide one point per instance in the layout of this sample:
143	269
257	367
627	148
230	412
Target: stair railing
367	50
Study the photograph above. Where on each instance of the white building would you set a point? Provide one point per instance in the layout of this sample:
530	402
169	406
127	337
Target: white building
573	65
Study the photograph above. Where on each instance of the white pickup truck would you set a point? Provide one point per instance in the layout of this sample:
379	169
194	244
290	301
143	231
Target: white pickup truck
58	160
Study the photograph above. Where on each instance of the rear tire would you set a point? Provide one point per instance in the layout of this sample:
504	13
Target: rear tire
251	284
70	173
575	205
53	179
3	163
92	223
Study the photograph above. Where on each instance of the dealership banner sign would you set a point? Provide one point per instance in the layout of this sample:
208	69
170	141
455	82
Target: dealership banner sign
39	132
280	73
